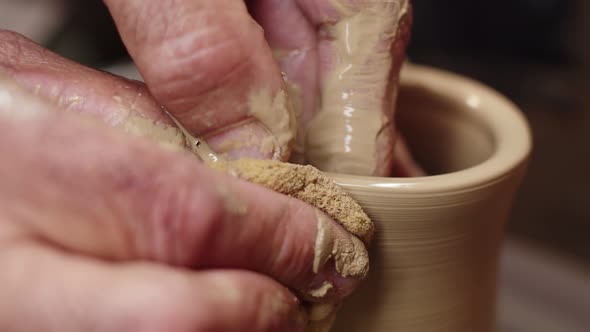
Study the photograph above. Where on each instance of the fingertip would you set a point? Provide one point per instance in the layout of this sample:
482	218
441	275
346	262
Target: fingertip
313	254
340	263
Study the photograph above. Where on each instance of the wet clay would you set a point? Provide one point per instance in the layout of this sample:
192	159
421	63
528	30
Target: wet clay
277	115
342	137
322	290
296	94
351	257
324	242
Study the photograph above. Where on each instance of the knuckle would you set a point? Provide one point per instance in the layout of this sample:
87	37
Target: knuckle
183	220
194	62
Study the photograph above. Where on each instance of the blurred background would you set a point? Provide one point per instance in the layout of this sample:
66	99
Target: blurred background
537	52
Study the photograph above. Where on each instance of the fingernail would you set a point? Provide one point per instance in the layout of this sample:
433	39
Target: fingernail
349	261
332	241
351	257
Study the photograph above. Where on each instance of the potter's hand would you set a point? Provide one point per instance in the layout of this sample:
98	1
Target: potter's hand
105	231
210	65
345	56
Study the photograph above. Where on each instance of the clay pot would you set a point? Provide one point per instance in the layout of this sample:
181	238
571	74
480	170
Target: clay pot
435	255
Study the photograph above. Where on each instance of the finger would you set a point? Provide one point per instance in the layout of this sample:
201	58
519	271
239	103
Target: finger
72	86
121	198
116	101
361	49
121	103
294	42
208	63
48	290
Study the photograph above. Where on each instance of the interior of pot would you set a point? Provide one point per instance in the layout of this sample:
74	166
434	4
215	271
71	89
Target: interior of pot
442	133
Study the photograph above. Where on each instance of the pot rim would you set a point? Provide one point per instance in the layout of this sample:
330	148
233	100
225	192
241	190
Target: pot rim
507	125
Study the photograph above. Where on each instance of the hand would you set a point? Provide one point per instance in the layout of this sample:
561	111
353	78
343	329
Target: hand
204	60
197	57
104	231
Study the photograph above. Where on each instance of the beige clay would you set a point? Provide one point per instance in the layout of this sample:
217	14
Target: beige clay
166	136
435	258
321	291
342	137
277	115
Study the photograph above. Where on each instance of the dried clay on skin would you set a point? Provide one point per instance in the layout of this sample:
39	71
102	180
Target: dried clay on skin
166	136
350	256
308	184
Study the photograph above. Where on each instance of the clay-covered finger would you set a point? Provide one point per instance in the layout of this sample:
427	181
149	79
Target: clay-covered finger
294	41
209	64
121	197
46	289
116	101
361	49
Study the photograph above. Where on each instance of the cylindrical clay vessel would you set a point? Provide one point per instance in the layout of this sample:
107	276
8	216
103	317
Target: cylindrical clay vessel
435	255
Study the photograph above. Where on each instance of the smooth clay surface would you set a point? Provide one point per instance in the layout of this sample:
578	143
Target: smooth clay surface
352	131
435	252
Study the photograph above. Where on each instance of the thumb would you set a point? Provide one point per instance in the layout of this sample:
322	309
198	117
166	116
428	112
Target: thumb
208	63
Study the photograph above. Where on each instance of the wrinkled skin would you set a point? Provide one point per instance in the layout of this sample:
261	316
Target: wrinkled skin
103	231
